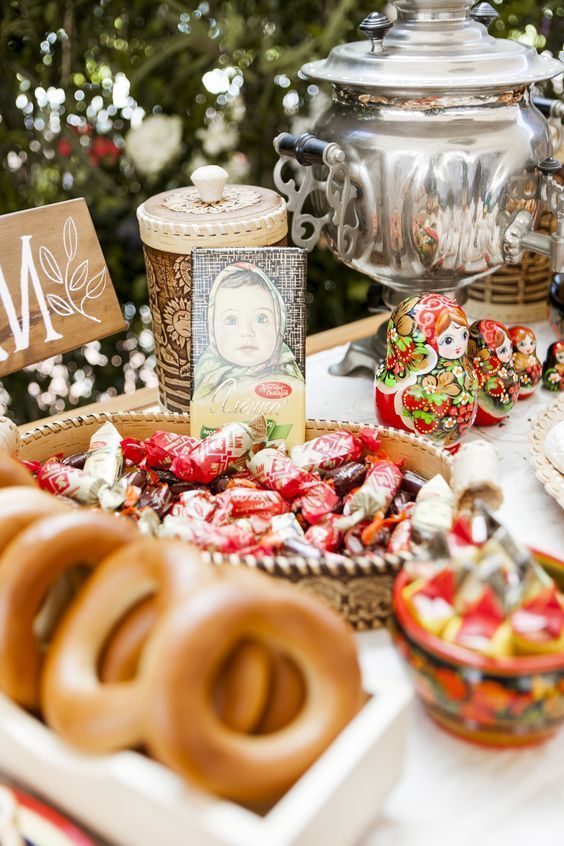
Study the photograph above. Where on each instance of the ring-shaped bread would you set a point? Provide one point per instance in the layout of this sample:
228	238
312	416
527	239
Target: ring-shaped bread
13	472
187	651
29	566
88	713
20	506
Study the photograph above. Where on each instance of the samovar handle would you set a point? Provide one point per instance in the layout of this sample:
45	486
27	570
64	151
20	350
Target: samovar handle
308	150
519	235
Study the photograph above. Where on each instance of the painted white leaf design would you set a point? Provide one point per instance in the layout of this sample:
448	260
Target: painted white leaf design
96	285
59	305
78	279
49	264
70	238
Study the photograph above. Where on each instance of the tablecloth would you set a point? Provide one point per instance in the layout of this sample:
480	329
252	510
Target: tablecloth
453	792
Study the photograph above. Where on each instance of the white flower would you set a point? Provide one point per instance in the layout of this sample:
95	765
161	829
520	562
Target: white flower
218	136
153	144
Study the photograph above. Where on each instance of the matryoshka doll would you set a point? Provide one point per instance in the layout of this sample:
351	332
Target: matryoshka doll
553	367
491	352
426	383
525	361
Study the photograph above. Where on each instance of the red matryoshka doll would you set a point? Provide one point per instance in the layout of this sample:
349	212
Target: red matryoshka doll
426	383
491	352
525	361
553	367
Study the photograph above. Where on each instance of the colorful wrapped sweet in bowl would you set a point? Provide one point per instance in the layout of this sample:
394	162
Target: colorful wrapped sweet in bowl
481	630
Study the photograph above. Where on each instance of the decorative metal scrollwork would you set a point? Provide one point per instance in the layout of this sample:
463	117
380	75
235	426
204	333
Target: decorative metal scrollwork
339	191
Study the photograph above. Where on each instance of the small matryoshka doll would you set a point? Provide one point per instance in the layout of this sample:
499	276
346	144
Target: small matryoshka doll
525	361
491	352
553	367
427	383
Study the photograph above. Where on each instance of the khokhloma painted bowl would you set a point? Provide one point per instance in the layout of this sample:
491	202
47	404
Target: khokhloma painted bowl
512	701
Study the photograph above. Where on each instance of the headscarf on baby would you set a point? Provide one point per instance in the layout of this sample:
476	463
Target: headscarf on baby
212	369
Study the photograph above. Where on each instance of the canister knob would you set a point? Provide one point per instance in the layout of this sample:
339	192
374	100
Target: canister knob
375	26
210	181
484	13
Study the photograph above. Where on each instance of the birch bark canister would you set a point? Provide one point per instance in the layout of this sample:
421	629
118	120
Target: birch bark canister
172	224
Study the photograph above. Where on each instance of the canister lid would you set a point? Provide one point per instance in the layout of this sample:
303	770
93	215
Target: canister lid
212	214
434	45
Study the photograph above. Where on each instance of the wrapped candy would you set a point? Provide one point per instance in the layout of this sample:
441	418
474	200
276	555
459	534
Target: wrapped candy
163	447
325	534
327	451
77	460
400	539
158	451
538	625
277	472
376	494
212	456
482	627
242	502
196	504
347	477
159	499
233	537
434	507
104	454
63	480
431	601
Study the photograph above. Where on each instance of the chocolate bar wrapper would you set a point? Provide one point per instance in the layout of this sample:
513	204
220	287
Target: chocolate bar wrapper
327	451
347	477
105	457
63	480
215	454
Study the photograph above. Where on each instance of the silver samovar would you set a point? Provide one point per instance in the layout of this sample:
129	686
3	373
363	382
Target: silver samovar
432	164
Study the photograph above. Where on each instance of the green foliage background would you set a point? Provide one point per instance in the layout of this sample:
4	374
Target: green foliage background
78	49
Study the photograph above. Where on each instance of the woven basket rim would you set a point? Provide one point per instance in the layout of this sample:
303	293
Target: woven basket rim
295	565
551	478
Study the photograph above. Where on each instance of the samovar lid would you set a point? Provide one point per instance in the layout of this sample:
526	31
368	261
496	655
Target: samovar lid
433	45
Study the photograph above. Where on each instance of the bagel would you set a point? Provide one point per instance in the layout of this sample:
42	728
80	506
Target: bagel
105	717
243	689
20	506
13	472
29	566
189	648
286	695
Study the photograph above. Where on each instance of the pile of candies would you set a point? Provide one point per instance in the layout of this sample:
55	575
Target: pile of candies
339	494
489	597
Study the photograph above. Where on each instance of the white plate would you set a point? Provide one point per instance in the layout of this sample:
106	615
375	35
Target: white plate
546	473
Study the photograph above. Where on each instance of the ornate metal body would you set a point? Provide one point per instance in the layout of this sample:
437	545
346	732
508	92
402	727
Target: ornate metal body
423	172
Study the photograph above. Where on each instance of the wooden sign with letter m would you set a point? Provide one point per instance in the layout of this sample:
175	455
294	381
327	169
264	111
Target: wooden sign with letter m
55	289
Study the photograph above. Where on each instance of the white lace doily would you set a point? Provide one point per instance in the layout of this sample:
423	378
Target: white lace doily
234	197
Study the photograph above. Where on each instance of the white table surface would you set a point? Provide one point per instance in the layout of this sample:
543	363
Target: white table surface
453	792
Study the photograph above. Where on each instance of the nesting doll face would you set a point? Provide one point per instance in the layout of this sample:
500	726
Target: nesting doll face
426	384
526	364
491	350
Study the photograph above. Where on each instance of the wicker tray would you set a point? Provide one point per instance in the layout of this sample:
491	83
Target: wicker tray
546	473
360	590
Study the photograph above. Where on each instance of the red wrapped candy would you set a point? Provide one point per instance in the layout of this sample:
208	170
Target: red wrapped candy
158	451
279	473
242	502
63	480
233	537
327	451
325	534
212	456
197	504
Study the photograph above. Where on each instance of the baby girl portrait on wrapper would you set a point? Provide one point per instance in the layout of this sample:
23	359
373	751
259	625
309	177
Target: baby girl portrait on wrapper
247	367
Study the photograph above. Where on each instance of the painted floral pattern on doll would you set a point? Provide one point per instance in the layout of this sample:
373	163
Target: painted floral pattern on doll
426	383
491	351
525	361
553	367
